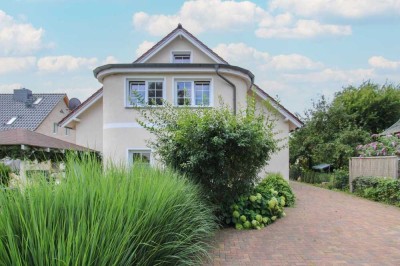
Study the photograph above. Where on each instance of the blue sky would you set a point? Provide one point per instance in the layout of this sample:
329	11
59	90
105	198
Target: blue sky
298	49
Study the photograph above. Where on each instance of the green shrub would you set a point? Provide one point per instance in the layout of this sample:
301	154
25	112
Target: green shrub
4	174
276	182
116	216
212	146
340	179
256	210
378	189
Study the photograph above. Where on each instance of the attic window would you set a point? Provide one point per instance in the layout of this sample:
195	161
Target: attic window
12	120
38	100
181	57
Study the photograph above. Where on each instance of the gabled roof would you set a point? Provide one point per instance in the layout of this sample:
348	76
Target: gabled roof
395	128
22	136
180	31
29	117
281	109
82	107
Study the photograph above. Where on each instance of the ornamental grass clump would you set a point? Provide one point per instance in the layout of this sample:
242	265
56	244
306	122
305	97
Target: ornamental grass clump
117	216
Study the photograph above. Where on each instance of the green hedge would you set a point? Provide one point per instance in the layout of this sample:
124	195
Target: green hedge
385	190
339	179
115	216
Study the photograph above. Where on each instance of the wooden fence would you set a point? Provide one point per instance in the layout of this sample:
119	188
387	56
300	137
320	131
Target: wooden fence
385	166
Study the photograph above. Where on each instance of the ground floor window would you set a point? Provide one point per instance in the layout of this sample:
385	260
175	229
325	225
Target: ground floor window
139	157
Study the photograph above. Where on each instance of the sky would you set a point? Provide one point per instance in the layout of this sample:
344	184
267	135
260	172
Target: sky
297	49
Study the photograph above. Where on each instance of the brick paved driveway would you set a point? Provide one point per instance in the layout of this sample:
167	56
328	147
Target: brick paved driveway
325	228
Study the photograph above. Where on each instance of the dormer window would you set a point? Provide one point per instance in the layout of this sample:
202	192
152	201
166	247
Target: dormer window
181	57
12	120
38	100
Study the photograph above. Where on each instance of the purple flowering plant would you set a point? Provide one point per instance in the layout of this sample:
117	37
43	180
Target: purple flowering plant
388	145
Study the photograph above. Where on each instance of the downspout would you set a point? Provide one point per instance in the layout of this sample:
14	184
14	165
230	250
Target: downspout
231	84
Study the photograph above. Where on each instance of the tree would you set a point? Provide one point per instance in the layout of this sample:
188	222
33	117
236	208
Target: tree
212	146
333	130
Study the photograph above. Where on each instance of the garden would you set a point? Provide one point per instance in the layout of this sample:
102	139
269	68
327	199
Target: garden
113	215
338	130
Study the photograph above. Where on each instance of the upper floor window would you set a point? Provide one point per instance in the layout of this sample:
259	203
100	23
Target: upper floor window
193	93
149	92
38	100
12	120
181	57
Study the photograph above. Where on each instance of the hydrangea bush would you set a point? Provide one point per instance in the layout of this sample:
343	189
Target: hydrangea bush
388	145
256	211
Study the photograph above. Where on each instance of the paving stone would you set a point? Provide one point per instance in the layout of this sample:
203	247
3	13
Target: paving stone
324	228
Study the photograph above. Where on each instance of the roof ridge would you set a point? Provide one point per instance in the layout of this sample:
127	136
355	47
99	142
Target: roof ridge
179	27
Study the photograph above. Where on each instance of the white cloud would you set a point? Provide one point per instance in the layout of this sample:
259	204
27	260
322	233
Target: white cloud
343	8
381	62
293	62
231	16
65	63
9	88
333	75
243	55
15	64
199	16
18	38
302	29
110	60
144	47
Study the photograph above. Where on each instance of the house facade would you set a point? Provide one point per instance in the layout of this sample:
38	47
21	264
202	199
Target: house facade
38	112
179	69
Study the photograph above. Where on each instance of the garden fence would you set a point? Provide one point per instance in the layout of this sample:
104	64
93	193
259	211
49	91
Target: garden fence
380	166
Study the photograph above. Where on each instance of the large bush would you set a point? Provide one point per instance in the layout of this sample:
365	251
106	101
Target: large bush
140	216
212	146
382	146
276	182
378	189
4	174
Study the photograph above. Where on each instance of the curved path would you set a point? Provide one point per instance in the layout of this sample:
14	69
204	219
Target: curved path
325	228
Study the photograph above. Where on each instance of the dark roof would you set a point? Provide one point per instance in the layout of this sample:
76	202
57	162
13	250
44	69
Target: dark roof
27	117
163	40
395	128
97	70
322	166
277	103
82	105
22	136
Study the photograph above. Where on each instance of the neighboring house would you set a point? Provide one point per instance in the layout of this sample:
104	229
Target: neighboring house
393	130
181	70
35	112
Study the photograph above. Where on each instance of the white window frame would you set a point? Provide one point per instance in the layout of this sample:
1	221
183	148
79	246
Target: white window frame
131	151
12	120
173	53
67	131
128	80
175	81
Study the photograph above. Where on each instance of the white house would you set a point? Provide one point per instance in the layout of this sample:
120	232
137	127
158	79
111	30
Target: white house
106	121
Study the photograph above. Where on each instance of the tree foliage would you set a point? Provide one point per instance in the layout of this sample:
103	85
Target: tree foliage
221	151
333	130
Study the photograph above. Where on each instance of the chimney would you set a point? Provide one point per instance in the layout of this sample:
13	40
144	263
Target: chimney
22	95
